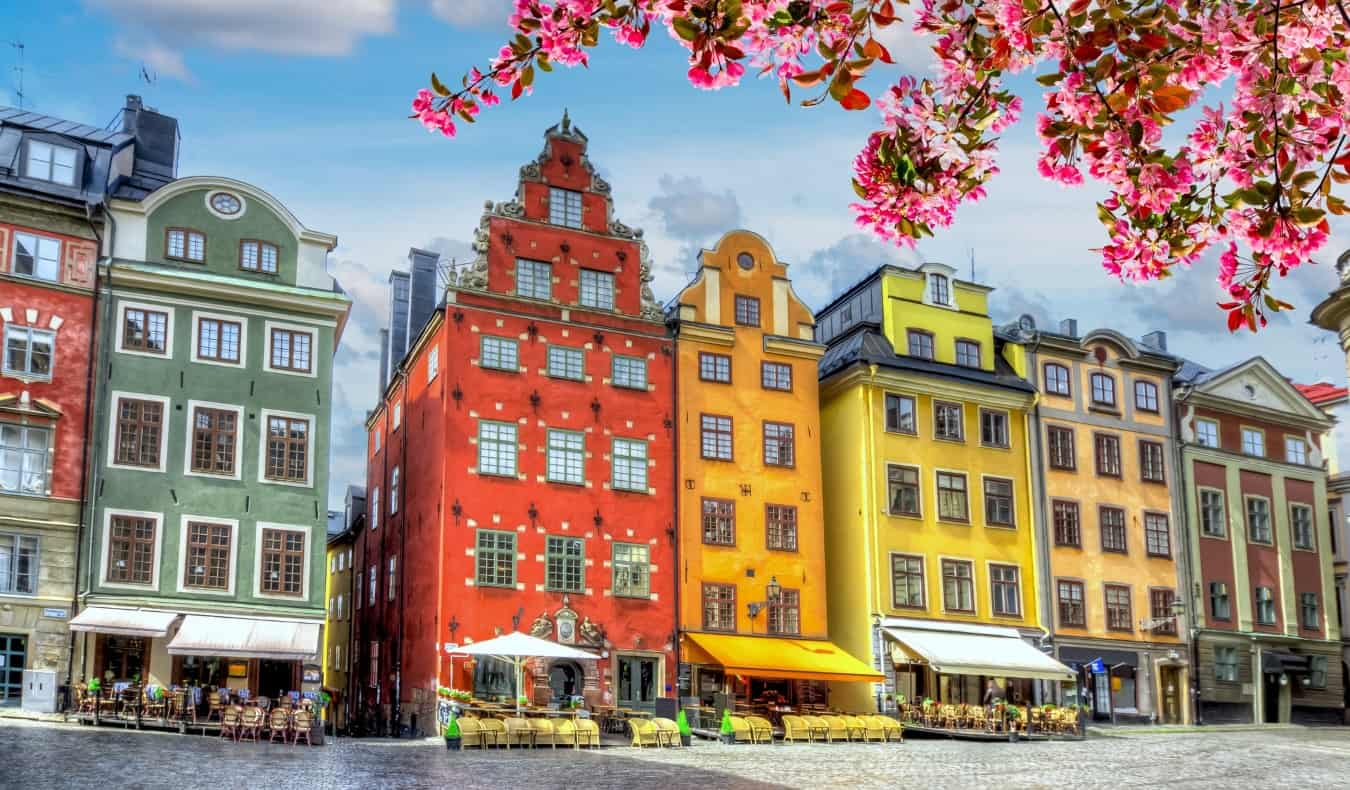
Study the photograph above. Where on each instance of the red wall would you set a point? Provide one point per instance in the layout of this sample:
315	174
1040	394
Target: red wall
1307	564
1216	554
1263	562
68	391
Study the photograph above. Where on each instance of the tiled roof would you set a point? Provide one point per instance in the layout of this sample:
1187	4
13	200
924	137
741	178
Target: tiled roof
13	116
1323	392
865	343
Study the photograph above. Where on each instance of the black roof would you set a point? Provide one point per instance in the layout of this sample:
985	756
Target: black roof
13	116
864	343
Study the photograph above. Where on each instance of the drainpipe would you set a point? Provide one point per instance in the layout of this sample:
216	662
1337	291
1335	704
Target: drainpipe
675	472
90	372
1184	567
403	560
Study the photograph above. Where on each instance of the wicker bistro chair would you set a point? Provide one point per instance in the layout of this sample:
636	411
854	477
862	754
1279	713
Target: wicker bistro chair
645	733
820	729
890	728
518	731
978	719
471	732
668	732
838	729
544	732
231	720
129	703
871	728
251	723
566	733
796	729
494	732
761	729
588	732
304	721
856	728
278	725
214	704
155	707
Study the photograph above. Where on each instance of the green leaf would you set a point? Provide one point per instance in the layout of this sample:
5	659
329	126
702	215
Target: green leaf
1136	133
1050	79
858	189
732	8
686	29
1307	216
527	76
439	86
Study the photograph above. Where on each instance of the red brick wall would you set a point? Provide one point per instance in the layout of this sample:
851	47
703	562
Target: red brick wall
1263	562
1216	554
1307	564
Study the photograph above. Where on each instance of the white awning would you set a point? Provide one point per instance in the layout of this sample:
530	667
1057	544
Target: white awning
518	645
244	637
954	649
124	622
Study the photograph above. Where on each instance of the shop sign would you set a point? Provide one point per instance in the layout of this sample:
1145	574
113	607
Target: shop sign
1098	667
56	614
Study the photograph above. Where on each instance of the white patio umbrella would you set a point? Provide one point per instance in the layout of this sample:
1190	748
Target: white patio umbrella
516	648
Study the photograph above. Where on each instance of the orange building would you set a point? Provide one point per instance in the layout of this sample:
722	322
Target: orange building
752	596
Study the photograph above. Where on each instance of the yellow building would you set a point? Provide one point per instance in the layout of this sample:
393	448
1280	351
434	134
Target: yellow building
751	531
930	520
1106	458
338	595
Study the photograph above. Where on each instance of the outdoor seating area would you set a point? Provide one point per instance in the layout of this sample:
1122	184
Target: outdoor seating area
528	729
236	714
827	727
286	721
999	718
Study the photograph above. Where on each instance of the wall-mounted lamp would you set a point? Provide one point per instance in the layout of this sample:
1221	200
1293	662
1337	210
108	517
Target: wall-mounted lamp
533	513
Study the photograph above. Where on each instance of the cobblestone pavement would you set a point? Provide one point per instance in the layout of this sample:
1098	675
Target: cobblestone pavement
39	755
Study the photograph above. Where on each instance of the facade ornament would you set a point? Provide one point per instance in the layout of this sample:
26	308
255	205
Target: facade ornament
530	171
649	308
542	628
599	185
1187	425
617	228
511	208
1343	266
589	631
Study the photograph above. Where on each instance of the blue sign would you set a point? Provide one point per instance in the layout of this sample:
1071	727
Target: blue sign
1098	667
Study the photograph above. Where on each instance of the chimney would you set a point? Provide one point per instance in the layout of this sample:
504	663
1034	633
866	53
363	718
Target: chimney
156	139
1069	326
1156	339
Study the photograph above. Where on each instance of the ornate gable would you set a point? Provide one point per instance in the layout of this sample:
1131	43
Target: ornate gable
1256	385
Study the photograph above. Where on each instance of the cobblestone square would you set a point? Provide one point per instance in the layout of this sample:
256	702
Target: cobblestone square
55	756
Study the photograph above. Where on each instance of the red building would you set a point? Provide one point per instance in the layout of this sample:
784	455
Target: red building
521	465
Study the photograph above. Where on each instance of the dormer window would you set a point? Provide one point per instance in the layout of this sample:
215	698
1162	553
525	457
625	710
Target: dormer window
258	256
185	245
939	289
48	162
564	207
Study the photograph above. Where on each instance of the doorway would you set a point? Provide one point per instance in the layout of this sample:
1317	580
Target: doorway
1101	695
637	683
275	678
1270	698
13	655
1169	678
565	680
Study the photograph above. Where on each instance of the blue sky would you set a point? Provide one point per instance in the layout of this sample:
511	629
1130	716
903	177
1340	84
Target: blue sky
307	99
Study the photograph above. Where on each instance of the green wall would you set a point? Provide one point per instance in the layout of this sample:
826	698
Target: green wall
258	221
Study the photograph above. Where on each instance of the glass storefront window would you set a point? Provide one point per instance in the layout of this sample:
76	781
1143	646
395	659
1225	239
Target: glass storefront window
202	671
493	679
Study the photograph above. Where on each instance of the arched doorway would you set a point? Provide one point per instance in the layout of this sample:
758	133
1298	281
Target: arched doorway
565	680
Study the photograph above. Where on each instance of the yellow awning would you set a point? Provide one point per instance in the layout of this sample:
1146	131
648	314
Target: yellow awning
777	657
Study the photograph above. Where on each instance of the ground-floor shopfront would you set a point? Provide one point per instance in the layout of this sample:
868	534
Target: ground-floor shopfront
761	675
37	585
157	647
1249	678
963	664
1127	683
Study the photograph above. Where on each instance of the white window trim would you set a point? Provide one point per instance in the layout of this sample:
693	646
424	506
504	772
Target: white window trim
942	585
263	416
166	423
1247	520
243	205
646	467
398	416
1242	441
393	490
1012	495
890	579
14	255
108	515
119	333
1217	438
268	326
375	509
182	555
197	317
25	376
433	363
257	562
1307	449
1021	583
1200	510
189	434
937	498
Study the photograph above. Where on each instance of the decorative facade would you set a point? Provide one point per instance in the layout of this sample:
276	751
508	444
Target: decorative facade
537	493
1266	641
1106	472
752	605
204	557
930	519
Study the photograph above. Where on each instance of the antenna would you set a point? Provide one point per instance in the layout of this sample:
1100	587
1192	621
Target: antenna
19	70
148	77
970	251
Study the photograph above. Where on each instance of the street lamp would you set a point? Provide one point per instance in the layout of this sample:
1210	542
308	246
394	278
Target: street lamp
773	592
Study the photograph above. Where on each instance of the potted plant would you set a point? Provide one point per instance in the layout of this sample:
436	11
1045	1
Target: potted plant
95	686
727	732
452	735
686	734
1014	714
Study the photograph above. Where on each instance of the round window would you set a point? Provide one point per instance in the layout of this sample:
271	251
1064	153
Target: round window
225	203
746	261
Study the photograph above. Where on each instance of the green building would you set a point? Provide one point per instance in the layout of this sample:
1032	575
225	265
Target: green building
204	557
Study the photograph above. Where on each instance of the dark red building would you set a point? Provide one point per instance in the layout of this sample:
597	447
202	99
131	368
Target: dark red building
521	465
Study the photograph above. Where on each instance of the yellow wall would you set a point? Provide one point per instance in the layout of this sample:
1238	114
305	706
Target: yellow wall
1090	564
707	313
337	631
863	535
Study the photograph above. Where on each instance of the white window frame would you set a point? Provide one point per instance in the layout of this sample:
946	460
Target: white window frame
375	509
1202	438
165	424
35	575
29	332
632	462
433	363
391	579
398	416
167	309
601	284
38	242
190	428
197	317
558	198
181	571
506	341
314	354
1300	457
156	562
565	439
1260	442
393	491
46	458
527	287
1293	526
257	561
51	161
264	416
1223	505
187	233
1247	501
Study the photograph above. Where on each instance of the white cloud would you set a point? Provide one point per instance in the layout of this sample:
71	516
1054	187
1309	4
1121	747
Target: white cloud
158	60
473	13
296	27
